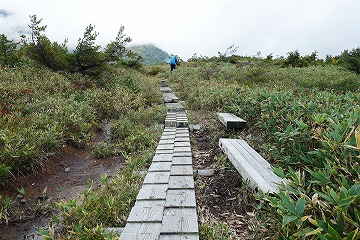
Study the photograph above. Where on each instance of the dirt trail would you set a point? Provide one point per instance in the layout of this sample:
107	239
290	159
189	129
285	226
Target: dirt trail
64	176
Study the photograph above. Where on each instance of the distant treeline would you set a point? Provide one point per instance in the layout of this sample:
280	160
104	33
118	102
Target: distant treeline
349	59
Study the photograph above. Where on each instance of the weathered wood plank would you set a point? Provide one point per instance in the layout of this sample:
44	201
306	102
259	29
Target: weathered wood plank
180	198
165	147
156	177
161	151
147	211
182	139
141	231
231	121
179	220
182	160
170	98
246	169
181	135
167	137
258	162
179	237
249	166
165	90
162	158
160	167
182	149
181	182
182	154
167	141
182	130
181	144
152	191
178	170
174	107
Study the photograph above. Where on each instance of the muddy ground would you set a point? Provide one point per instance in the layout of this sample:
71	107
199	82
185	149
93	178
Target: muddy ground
62	177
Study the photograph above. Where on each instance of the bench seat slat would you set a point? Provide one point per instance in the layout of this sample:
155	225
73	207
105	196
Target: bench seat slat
250	164
257	161
245	168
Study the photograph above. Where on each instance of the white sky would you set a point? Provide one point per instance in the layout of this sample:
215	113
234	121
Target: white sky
185	27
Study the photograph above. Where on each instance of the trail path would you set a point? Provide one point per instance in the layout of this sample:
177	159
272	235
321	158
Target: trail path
165	207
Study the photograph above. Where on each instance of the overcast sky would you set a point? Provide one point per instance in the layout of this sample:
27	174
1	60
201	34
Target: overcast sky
185	27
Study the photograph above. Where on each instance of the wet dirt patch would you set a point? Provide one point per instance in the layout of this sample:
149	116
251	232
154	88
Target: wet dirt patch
62	177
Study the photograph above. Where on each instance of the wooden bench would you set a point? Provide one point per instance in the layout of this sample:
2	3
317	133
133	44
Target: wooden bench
250	165
231	121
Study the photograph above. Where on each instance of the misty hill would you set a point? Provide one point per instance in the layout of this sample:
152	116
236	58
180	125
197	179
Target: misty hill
150	53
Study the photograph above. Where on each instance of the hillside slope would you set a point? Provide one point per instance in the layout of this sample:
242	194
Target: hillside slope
150	53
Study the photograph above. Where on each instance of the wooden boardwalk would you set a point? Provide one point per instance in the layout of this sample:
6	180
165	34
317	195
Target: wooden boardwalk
165	207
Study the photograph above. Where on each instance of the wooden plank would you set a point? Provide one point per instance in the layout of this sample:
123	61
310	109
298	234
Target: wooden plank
160	167
182	154
165	90
181	144
178	170
141	231
170	98
174	107
165	147
182	139
179	220
181	135
162	158
182	160
259	163
167	137
169	133
170	129
179	236
231	121
181	182
147	211
180	198
182	149
167	141
160	151
152	192
182	130
156	177
245	168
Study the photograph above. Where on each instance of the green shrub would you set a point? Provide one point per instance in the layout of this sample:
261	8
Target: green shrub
103	150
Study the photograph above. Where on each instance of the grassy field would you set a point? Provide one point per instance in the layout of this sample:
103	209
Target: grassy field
305	121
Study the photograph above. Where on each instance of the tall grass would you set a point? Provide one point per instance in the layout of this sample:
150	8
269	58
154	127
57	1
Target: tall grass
307	121
43	110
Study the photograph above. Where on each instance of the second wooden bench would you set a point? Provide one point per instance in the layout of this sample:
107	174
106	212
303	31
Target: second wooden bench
250	164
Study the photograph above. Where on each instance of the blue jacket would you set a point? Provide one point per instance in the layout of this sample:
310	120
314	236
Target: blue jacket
173	60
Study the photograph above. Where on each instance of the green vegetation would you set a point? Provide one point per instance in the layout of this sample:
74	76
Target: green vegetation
306	120
303	114
150	54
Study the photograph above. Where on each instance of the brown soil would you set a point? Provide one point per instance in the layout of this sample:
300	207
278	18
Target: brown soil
222	197
62	177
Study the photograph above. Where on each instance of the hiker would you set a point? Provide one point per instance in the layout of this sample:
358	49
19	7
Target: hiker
172	62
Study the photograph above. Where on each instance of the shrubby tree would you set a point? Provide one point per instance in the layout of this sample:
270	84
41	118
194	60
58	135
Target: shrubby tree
351	59
41	49
8	52
294	59
87	54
